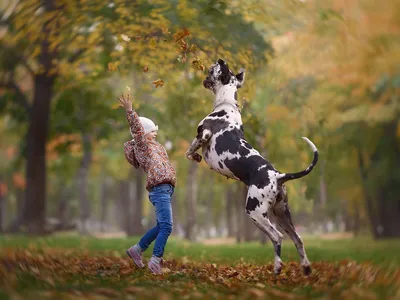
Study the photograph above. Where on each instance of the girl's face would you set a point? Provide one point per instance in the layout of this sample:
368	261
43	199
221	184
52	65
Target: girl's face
151	135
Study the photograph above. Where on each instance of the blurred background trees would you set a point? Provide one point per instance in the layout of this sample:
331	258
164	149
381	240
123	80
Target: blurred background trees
329	71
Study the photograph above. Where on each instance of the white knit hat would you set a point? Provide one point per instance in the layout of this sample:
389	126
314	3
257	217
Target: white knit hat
148	125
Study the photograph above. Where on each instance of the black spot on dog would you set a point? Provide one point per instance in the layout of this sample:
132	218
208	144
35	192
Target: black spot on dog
245	168
278	250
247	145
235	95
199	132
215	125
265	215
230	141
241	128
252	204
226	75
270	202
220	165
261	178
220	113
263	195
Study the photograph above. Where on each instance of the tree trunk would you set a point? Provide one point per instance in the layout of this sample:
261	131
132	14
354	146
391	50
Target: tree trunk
191	200
175	214
229	208
381	184
103	202
209	217
248	229
240	213
34	209
2	203
35	194
136	227
83	183
62	209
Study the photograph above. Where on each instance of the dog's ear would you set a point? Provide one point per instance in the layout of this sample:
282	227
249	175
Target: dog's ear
225	78
225	73
240	78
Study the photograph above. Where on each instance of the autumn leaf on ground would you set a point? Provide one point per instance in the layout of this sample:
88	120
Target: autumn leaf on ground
181	34
158	83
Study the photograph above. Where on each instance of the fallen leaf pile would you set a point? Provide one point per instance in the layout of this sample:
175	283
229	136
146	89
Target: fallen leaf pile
54	273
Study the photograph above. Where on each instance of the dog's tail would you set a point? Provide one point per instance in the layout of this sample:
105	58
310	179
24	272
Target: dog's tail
289	176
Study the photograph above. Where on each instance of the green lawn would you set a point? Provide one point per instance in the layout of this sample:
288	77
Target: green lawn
73	267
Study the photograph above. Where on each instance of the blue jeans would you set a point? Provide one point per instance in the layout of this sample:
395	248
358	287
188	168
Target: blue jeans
160	197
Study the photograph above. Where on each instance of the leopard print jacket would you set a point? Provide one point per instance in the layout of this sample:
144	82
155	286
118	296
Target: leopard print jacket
151	156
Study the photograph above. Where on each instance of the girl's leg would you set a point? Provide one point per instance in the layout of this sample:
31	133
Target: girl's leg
162	202
149	237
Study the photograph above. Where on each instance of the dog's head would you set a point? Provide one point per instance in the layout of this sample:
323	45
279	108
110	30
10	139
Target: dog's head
219	75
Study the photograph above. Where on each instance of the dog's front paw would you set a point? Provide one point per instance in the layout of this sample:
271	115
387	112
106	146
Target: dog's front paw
197	157
193	156
189	155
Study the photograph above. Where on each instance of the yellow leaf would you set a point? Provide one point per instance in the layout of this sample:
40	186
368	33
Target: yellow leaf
113	66
152	44
158	83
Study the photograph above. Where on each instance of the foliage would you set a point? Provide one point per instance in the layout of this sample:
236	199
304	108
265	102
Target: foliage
42	269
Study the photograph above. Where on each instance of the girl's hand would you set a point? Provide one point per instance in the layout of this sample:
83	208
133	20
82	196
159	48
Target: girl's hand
126	101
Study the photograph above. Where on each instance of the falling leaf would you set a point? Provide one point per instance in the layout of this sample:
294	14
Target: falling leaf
153	43
158	83
197	63
181	34
184	46
193	48
165	30
128	88
113	66
146	69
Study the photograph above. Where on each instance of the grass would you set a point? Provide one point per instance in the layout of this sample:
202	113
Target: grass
71	266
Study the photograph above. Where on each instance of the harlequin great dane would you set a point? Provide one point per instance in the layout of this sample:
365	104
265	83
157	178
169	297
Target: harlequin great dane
225	150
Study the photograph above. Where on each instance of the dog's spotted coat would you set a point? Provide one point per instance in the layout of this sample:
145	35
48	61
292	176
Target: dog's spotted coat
225	150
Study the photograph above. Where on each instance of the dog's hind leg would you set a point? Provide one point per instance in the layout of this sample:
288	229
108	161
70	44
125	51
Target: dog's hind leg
257	209
284	219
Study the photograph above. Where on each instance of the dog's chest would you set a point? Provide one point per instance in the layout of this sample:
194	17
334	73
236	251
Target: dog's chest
227	148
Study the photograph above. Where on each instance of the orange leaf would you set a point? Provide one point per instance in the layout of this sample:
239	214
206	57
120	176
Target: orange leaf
158	83
181	34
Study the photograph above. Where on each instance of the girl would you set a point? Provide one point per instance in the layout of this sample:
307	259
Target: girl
145	152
